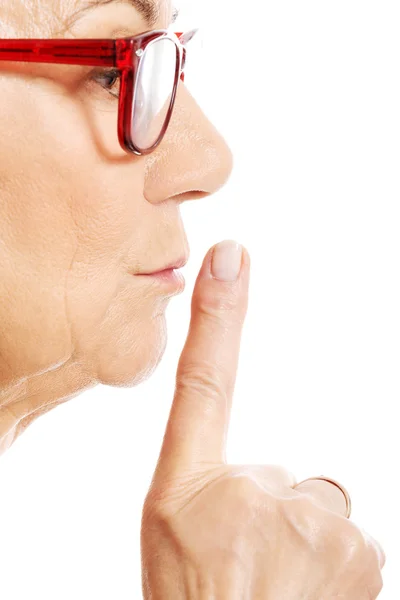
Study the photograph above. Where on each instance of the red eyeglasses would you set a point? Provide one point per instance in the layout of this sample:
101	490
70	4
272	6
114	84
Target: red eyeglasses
151	65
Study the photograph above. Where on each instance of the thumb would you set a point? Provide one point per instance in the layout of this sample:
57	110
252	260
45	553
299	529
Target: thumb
198	422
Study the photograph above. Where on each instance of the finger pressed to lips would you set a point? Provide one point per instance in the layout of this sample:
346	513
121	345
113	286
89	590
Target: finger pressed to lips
198	423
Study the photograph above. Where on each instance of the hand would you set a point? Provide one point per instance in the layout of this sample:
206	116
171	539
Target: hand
213	531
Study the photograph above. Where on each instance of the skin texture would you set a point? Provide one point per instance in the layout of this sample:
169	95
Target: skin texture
77	217
77	214
213	531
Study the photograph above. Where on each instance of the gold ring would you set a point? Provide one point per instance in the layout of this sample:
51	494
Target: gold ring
338	485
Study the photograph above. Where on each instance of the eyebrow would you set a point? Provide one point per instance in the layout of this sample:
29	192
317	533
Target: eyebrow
148	9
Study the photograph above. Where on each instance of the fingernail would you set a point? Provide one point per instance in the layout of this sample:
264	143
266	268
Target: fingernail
226	260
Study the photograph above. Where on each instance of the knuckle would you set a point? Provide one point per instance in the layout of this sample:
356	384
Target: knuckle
374	552
202	376
353	553
245	491
344	542
375	587
354	547
273	478
300	506
281	474
377	552
155	507
303	514
214	304
155	515
356	544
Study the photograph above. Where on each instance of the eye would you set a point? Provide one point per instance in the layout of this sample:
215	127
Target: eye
109	79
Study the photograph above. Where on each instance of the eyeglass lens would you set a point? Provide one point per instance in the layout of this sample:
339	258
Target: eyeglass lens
153	91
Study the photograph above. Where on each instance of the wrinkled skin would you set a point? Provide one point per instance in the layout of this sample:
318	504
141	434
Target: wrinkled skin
77	217
77	214
232	532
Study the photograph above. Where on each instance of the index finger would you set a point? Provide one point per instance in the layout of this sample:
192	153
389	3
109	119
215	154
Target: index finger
198	423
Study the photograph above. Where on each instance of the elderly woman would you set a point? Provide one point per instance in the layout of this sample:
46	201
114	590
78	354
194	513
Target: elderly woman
100	144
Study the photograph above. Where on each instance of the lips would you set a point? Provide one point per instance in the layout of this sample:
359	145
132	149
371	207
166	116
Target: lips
176	264
163	271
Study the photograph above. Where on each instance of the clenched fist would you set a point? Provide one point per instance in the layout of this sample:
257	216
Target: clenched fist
213	531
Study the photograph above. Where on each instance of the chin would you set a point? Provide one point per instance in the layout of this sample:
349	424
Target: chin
129	355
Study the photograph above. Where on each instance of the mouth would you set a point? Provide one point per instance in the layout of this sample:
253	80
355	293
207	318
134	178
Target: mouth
171	266
168	276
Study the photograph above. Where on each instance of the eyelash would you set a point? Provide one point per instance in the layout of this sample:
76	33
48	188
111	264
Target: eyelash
114	74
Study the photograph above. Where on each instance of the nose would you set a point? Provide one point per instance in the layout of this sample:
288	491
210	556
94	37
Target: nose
192	161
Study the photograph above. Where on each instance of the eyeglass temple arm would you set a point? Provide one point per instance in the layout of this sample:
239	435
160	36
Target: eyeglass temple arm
85	52
74	52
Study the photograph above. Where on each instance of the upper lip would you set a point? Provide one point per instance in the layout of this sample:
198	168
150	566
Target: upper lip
174	264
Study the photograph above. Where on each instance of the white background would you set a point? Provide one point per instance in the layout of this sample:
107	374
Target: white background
307	95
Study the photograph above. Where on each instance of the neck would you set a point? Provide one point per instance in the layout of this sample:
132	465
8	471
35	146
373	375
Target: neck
22	402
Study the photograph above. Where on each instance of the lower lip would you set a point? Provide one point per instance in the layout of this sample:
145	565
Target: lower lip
168	277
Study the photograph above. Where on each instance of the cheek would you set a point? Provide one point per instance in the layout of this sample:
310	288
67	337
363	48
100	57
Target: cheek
103	129
118	329
34	329
118	324
60	186
38	241
53	113
70	221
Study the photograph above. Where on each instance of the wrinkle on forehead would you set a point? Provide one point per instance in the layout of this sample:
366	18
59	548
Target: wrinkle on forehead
31	18
47	18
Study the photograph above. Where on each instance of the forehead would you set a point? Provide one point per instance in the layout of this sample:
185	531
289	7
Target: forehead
43	17
151	10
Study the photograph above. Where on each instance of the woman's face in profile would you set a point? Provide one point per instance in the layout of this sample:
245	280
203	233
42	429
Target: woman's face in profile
79	218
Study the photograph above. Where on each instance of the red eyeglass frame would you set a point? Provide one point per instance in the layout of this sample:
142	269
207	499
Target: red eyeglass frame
124	54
